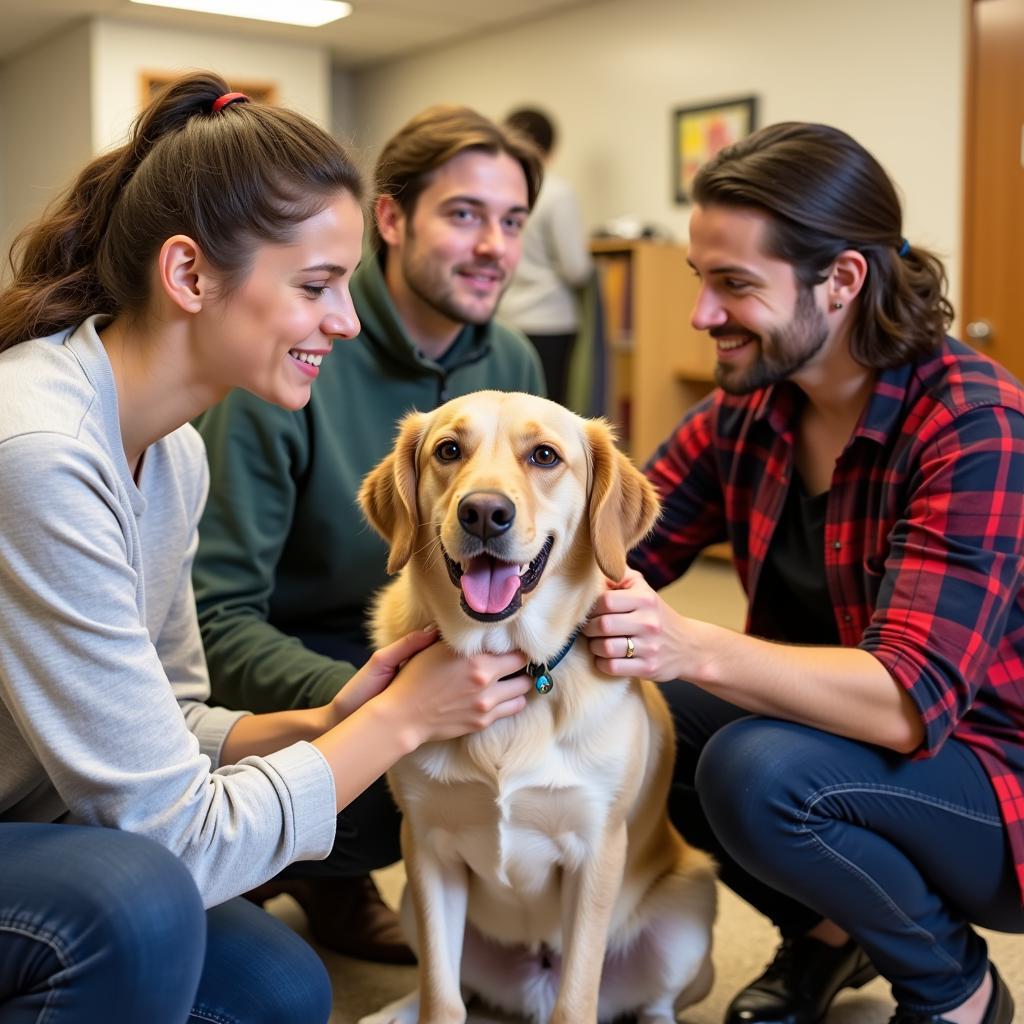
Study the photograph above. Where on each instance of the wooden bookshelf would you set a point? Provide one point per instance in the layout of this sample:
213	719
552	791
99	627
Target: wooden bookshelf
659	365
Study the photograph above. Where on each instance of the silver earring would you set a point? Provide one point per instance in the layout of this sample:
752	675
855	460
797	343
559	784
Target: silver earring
837	305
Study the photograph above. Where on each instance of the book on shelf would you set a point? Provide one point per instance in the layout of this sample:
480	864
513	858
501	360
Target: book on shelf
613	273
623	418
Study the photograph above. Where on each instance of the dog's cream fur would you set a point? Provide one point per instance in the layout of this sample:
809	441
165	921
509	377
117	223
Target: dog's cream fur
543	873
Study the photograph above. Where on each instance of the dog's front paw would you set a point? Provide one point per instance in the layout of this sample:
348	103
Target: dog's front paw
403	1011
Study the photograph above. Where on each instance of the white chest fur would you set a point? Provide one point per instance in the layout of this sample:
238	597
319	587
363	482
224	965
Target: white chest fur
527	799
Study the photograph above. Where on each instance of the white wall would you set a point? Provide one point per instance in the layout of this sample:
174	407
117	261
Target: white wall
343	121
123	50
76	94
46	136
343	114
890	72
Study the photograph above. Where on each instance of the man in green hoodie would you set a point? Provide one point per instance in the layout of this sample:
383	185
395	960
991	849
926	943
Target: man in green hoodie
286	566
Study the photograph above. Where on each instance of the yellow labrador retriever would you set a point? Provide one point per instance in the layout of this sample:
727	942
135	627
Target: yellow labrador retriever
543	873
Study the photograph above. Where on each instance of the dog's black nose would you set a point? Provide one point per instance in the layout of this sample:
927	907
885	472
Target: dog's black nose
486	514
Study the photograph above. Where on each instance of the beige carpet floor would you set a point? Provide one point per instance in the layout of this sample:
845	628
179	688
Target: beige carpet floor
744	941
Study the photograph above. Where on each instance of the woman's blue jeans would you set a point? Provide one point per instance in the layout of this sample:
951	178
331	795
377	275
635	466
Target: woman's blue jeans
98	925
903	854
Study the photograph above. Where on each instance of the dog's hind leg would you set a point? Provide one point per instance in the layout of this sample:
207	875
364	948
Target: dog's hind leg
699	987
667	966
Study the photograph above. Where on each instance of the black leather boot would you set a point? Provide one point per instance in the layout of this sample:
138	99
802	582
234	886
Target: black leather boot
800	983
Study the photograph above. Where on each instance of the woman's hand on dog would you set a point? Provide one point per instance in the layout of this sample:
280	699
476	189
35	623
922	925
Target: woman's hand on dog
378	672
631	608
409	693
439	694
433	692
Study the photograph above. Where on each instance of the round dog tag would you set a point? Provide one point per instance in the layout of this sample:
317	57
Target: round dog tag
543	683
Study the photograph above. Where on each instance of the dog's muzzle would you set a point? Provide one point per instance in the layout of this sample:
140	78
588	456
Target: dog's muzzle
491	588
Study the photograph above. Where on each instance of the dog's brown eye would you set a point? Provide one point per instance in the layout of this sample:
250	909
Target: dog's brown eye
448	451
544	455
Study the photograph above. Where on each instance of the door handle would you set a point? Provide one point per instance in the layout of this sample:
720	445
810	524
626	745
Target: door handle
980	332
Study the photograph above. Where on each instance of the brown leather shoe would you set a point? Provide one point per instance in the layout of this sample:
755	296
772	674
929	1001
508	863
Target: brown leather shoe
345	915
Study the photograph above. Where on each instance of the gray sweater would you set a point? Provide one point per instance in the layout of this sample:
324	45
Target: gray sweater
102	676
555	264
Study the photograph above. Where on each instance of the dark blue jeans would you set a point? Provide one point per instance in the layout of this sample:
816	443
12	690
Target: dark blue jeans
99	925
904	855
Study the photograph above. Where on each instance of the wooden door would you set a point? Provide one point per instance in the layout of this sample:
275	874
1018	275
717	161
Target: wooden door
992	311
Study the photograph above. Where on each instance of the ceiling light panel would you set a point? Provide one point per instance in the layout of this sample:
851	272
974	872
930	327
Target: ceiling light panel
309	13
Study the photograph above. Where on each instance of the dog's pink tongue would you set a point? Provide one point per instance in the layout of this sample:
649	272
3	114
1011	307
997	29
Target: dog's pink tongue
488	585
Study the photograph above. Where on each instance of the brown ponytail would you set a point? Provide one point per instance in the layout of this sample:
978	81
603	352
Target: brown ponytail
229	179
825	193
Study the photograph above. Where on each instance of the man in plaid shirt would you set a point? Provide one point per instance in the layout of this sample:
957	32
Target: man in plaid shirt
855	760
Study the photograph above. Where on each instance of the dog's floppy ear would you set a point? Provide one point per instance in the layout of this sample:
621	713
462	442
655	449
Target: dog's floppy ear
623	502
388	494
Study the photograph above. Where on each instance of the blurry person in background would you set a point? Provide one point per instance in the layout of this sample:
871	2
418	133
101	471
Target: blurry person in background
543	298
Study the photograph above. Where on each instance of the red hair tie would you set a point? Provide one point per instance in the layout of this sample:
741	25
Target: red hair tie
227	99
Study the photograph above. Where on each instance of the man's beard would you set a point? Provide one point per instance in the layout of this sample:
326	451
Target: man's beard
429	282
784	350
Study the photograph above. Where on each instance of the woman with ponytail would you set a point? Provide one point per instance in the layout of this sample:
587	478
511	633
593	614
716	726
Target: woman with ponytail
213	250
855	759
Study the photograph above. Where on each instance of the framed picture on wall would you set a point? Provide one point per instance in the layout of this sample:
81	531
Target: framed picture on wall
698	133
151	82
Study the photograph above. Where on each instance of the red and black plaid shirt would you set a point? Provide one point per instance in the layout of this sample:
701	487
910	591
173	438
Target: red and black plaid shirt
924	537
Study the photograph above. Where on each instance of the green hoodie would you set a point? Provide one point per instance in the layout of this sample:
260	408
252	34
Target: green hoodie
283	546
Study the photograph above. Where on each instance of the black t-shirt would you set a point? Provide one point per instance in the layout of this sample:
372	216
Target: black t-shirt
792	593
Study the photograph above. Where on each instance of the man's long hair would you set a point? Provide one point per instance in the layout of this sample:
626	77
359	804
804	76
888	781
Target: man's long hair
825	193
